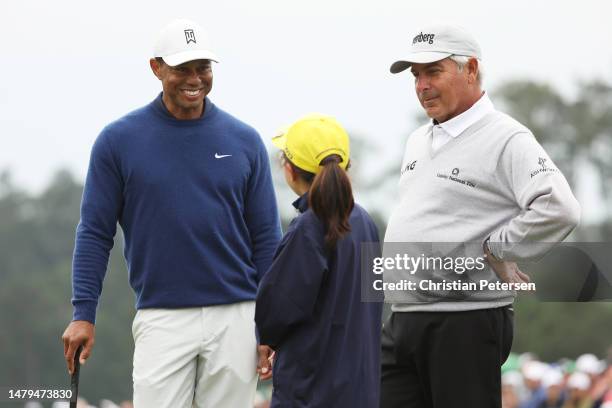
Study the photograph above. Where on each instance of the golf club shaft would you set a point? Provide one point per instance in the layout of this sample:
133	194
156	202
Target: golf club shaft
74	379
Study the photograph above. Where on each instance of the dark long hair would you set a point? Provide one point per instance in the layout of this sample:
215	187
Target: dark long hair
330	197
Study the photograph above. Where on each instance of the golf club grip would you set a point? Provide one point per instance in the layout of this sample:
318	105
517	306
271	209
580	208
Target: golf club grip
74	379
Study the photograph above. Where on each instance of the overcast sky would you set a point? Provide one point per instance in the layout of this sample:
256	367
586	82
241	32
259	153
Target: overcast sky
69	68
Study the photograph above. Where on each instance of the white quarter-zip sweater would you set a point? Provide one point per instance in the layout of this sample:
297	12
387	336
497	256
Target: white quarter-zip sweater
490	179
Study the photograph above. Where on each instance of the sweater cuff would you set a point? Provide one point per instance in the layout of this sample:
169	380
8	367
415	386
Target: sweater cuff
486	246
84	310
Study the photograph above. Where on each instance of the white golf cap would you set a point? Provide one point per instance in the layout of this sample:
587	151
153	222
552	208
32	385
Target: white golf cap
579	380
436	42
512	378
181	41
534	370
552	376
589	364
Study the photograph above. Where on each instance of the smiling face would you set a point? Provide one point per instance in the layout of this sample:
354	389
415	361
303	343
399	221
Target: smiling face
185	86
443	90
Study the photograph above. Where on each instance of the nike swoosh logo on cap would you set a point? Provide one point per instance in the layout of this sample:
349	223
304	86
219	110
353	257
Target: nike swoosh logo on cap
220	156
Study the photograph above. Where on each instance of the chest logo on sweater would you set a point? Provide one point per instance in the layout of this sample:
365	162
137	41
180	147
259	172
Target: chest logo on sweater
454	176
544	168
409	166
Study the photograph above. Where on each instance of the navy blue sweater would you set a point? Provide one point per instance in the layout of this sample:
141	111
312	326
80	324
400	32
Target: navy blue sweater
309	310
195	201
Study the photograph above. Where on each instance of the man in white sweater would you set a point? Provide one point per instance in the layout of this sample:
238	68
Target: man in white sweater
471	175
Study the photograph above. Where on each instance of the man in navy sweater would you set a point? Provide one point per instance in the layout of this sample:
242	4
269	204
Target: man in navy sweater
190	186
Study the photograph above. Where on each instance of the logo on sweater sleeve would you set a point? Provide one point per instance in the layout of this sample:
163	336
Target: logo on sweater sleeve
543	167
408	167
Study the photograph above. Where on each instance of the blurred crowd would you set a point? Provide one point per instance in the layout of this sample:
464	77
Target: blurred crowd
82	403
527	382
530	383
262	400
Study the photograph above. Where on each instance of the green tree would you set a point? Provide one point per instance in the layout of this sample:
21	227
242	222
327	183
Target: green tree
36	244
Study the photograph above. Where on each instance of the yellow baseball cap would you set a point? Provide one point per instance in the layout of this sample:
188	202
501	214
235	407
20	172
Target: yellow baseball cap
312	138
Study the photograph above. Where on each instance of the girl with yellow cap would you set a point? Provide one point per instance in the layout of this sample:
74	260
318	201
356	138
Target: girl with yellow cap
309	307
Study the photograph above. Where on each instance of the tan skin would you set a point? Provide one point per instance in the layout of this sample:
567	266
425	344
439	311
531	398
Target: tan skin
185	87
444	92
297	184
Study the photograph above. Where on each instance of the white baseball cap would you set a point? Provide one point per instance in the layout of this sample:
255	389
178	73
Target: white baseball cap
579	380
436	42
552	376
534	370
589	364
181	41
512	378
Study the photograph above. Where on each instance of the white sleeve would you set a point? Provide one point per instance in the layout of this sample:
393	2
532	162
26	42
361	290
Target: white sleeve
548	209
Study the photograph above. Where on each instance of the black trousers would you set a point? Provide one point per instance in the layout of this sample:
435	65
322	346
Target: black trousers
445	359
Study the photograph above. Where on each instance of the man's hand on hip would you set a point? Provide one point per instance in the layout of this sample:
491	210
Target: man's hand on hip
78	333
508	272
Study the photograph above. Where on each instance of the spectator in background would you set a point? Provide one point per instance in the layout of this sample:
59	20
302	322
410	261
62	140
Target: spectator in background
577	386
596	370
550	394
512	383
554	391
533	371
601	391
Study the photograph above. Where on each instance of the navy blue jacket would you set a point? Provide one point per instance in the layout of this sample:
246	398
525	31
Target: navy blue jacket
309	310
